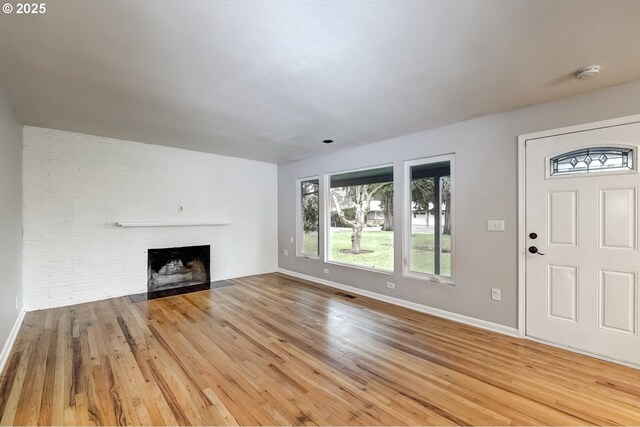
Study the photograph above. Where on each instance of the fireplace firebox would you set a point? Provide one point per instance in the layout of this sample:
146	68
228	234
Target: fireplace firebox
170	269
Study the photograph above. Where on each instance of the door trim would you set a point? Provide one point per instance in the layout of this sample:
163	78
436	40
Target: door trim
523	140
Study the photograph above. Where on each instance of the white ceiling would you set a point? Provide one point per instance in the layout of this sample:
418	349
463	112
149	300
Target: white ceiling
269	80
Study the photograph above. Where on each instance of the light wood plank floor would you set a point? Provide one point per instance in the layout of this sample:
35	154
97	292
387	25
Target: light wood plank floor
270	350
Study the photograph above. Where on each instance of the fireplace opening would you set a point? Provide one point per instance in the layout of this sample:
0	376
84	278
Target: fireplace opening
173	268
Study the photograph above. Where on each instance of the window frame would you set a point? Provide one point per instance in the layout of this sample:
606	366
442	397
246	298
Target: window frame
327	220
406	236
299	212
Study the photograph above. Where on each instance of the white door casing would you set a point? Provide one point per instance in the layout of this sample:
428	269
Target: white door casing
583	292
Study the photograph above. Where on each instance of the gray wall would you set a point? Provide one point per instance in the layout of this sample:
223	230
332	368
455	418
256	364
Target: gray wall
486	188
10	218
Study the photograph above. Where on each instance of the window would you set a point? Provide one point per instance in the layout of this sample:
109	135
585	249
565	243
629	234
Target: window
360	232
309	223
595	159
430	222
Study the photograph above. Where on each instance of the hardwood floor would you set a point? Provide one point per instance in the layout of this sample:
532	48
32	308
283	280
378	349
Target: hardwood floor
270	350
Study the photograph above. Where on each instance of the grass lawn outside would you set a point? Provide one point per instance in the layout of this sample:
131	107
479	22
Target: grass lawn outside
310	243
380	242
381	245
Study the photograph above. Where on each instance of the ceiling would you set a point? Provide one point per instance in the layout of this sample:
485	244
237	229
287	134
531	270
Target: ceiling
269	80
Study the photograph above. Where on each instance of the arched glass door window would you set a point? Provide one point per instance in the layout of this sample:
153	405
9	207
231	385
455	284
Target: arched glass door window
594	159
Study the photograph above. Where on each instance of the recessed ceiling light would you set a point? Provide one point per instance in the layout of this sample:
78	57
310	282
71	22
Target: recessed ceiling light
328	141
588	73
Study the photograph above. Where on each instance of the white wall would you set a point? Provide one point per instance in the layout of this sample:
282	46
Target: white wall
10	220
77	186
486	188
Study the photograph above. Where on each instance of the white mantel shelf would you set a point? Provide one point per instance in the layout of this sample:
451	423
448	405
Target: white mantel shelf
170	224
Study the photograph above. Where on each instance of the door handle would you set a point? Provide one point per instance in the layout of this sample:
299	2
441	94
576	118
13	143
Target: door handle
534	250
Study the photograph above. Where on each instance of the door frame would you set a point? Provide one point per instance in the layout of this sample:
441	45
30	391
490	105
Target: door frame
522	205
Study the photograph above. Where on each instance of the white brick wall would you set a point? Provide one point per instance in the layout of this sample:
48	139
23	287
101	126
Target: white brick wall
77	186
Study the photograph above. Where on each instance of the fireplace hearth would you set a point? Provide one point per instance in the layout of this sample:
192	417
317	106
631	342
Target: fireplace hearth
170	269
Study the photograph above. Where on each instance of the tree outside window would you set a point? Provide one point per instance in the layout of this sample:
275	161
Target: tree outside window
309	192
361	224
431	218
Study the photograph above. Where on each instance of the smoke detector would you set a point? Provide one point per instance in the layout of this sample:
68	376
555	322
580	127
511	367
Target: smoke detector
588	73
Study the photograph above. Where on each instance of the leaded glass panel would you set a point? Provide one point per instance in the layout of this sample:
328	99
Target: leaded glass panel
595	159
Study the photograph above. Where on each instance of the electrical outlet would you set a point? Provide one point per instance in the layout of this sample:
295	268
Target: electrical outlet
285	252
496	294
291	240
325	270
391	285
495	225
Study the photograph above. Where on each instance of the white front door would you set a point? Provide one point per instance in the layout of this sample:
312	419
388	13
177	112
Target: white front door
582	259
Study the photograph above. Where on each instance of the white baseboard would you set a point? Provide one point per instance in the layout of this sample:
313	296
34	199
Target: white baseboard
585	353
494	327
8	345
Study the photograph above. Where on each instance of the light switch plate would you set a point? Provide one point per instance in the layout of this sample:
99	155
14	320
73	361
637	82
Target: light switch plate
495	225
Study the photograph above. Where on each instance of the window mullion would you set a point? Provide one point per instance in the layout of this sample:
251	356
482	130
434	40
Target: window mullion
436	224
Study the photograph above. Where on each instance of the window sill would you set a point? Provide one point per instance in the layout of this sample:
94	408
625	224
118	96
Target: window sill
361	267
440	280
317	257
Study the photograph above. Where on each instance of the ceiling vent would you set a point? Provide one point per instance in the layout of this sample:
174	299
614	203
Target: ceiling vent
588	73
